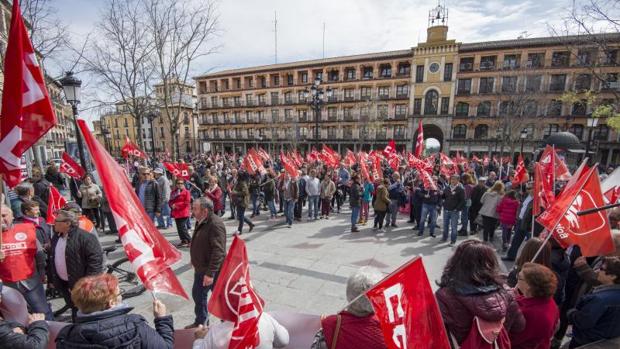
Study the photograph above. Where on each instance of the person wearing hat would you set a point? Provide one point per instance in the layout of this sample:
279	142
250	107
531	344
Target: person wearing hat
454	201
163	184
523	225
15	335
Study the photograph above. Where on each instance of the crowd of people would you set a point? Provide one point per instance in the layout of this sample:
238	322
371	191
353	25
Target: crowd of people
531	307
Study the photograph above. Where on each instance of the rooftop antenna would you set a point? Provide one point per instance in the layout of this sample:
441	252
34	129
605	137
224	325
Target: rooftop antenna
275	27
323	40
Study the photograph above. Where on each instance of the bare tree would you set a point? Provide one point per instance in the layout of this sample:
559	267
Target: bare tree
120	57
182	32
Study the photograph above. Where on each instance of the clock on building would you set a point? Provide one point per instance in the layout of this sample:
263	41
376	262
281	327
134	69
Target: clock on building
434	67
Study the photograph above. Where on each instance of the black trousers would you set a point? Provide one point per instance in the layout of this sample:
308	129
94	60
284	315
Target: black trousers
93	215
63	288
379	218
488	227
182	229
298	207
111	222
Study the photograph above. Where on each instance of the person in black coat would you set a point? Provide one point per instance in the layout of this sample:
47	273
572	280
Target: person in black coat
476	204
105	322
17	336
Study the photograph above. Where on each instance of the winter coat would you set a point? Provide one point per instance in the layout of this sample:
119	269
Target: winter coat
269	189
489	201
180	201
356	195
216	196
116	328
460	303
36	335
596	316
208	247
91	195
454	200
354	332
241	194
382	201
152	196
507	210
541	317
369	188
328	188
83	256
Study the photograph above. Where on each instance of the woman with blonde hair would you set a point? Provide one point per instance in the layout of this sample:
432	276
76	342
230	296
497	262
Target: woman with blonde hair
488	211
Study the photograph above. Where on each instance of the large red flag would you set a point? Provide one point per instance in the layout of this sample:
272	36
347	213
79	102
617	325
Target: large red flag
131	149
419	144
289	167
349	159
27	112
172	168
55	202
521	175
406	307
547	168
150	253
389	149
561	171
377	171
590	232
234	298
183	170
364	171
394	161
611	186
70	167
427	179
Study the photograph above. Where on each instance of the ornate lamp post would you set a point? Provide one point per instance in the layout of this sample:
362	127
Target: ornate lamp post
151	115
317	100
523	137
592	123
72	87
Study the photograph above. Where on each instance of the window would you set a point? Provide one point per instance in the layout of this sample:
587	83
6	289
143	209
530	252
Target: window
303	76
404	69
558	81
419	73
447	72
611	81
261	99
487	62
611	57
462	109
348	114
288	114
577	130
530	109
585	57
332	114
509	84
367	72
400	110
288	97
417	106
302	115
263	82
364	112
402	91
333	75
348	94
560	59
274	98
555	108
459	131
601	133
481	132
384	92
386	71
318	75
579	108
583	82
289	79
431	101
237	83
484	109
463	87
382	111
511	61
535	60
261	116
486	85
275	80
533	83
551	129
466	64
350	74
275	115
365	92
237	101
214	102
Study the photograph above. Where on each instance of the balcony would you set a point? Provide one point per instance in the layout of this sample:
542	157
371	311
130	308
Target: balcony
249	102
381	135
402	95
262	102
399	135
349	117
556	87
348	133
384	96
466	67
401	116
463	92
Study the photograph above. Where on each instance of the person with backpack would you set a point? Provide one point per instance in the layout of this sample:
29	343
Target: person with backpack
473	297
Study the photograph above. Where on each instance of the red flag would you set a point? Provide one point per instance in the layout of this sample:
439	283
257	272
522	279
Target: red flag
27	112
377	171
445	160
612	195
288	165
364	171
131	149
591	232
330	157
389	149
611	186
234	298
427	179
547	169
263	154
172	168
539	194
406	307
394	161
561	172
70	167
183	169
150	253
419	164
521	175
419	144
55	202
349	159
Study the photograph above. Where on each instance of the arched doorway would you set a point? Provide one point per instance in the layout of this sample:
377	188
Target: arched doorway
433	136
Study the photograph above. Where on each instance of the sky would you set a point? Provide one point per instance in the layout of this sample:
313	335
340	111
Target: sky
246	27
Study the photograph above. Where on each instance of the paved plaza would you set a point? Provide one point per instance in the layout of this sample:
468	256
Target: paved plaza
305	268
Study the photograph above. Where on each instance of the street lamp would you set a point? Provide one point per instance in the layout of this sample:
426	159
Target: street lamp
151	115
523	137
72	87
591	122
318	99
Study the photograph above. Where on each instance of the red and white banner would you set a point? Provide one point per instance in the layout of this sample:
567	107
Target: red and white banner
329	156
591	232
611	186
349	159
405	305
427	180
288	165
55	202
172	168
521	175
234	298
377	171
130	149
150	253
179	170
561	171
27	112
419	144
253	163
389	149
70	167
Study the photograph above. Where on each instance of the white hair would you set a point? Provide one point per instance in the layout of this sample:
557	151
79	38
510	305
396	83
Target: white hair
357	284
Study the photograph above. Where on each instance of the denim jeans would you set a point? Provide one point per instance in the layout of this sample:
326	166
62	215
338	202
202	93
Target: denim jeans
313	206
428	210
152	216
165	212
272	208
506	234
450	221
242	218
464	217
355	215
517	240
255	208
289	207
394	207
35	298
199	295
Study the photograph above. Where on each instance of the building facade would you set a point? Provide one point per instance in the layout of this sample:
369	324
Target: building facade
471	97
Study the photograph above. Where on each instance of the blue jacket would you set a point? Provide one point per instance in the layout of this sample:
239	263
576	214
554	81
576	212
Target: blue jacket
596	316
115	328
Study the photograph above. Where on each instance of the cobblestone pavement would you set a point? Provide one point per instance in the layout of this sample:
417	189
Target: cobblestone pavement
304	268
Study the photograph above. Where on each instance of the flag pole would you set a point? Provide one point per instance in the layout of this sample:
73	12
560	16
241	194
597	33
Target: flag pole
1	203
596	209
